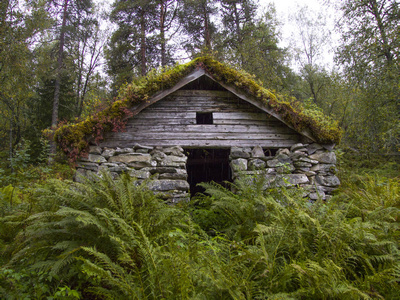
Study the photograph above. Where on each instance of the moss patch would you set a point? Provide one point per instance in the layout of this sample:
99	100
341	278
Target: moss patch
73	139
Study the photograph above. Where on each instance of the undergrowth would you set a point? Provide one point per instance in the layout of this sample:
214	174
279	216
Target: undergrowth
114	239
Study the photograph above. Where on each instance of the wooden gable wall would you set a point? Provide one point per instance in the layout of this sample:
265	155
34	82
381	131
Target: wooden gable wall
172	122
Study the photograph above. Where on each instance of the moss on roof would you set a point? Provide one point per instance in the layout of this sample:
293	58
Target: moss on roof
73	138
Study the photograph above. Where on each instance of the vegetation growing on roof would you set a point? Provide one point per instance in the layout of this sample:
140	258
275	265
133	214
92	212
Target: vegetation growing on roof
74	138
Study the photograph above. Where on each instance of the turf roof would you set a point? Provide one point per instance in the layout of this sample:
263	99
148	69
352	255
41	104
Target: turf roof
74	139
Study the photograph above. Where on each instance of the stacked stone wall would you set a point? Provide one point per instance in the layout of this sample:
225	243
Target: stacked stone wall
309	166
164	169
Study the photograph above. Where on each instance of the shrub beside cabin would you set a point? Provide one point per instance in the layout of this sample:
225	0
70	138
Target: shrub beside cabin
201	122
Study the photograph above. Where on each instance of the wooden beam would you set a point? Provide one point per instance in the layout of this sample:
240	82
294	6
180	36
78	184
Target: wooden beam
217	144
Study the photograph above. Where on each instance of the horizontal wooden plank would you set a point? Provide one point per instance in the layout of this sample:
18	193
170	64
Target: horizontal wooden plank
167	115
178	121
192	115
234	100
189	93
207	128
200	143
194	109
212	102
203	135
239	116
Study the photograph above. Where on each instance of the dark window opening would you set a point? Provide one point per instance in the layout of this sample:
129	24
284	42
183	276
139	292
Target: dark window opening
270	152
205	165
204	118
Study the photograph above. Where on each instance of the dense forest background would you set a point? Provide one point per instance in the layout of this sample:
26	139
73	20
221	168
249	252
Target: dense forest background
63	60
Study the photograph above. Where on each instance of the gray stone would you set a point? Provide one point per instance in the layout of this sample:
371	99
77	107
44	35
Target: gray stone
139	174
108	152
138	146
142	150
161	170
132	158
283	151
123	150
82	174
142	164
285	168
237	152
266	158
177	198
239	164
116	168
95	150
329	147
306	159
308	187
312	148
158	155
252	173
79	174
297	155
296	147
327	189
273	163
283	158
96	158
174	151
317	195
110	165
302	164
114	175
302	170
324	169
179	174
285	180
256	164
310	173
173	161
330	181
324	157
257	152
88	166
168	185
296	179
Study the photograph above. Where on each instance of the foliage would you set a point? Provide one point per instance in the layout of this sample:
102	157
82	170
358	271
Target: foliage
114	239
369	56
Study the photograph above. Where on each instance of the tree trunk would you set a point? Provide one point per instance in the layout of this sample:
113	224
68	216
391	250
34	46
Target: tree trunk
11	146
162	35
143	44
207	35
56	101
387	52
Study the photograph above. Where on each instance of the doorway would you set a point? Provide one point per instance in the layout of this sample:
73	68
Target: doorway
205	165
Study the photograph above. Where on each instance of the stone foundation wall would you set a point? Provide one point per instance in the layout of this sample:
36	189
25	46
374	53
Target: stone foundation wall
165	167
309	166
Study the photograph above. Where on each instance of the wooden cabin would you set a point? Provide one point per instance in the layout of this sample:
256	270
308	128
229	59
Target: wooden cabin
205	127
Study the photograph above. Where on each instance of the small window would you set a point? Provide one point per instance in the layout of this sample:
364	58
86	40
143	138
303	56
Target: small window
204	118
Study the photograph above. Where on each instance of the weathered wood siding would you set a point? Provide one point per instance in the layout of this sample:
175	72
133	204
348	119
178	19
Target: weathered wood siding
172	121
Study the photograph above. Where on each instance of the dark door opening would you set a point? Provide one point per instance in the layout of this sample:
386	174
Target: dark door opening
205	165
